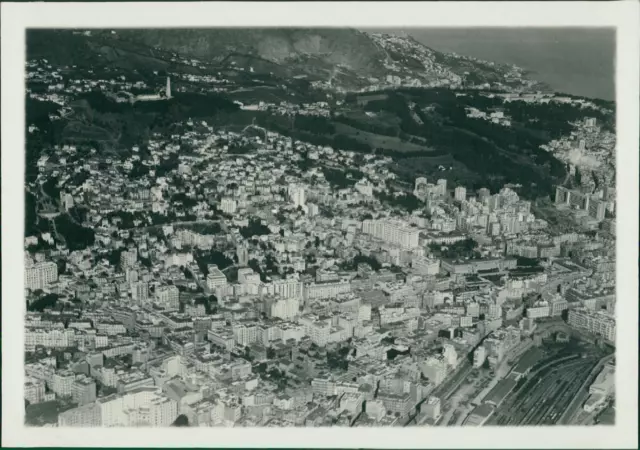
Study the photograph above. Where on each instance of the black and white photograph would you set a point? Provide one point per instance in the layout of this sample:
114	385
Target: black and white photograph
408	228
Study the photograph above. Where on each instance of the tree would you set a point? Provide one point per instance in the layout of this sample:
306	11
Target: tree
210	303
181	421
62	265
47	301
247	354
76	236
255	228
408	202
203	259
145	261
527	262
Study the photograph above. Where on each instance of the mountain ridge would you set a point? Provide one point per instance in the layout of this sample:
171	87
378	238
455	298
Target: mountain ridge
340	58
430	111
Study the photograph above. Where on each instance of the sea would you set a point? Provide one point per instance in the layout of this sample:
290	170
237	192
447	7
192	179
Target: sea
578	61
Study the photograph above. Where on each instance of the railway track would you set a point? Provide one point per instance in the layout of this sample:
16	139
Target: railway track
555	389
561	390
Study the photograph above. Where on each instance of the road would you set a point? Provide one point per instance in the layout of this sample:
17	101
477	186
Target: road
188	222
459	410
446	389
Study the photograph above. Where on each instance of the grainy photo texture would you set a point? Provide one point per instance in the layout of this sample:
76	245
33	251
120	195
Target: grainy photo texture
319	227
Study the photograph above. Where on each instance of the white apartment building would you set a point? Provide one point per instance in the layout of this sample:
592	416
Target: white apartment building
426	266
248	276
460	193
479	356
168	296
325	290
435	369
318	330
375	409
364	313
82	416
297	195
193	239
539	310
598	322
62	383
245	334
393	232
450	355
40	275
215	278
228	205
466	321
110	328
323	386
58	338
140	291
390	314
432	407
34	390
285	288
364	187
286	308
128	258
177	259
441	187
145	406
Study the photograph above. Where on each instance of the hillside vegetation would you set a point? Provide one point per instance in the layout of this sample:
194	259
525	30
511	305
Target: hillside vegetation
425	130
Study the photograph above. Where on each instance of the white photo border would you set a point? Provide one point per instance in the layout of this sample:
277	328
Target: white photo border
16	18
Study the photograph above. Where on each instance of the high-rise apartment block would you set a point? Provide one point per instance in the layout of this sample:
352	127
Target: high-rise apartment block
393	232
40	275
242	252
297	195
128	258
169	296
140	291
460	193
83	390
575	199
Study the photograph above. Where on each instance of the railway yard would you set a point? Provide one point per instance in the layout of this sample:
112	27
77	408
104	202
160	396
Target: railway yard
540	385
543	398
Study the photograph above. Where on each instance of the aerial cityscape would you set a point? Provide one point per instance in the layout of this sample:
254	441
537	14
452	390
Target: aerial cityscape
281	227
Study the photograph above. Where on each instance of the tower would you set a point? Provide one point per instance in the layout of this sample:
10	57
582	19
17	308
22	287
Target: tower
168	90
243	255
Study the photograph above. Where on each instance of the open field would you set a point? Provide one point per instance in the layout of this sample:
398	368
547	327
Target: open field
380	141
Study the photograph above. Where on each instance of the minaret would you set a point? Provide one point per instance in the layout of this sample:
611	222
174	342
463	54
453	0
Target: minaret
168	90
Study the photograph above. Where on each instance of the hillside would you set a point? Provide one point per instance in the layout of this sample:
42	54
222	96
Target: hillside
435	114
339	58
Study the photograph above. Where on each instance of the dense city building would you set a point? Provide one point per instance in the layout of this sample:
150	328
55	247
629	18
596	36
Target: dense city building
260	273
